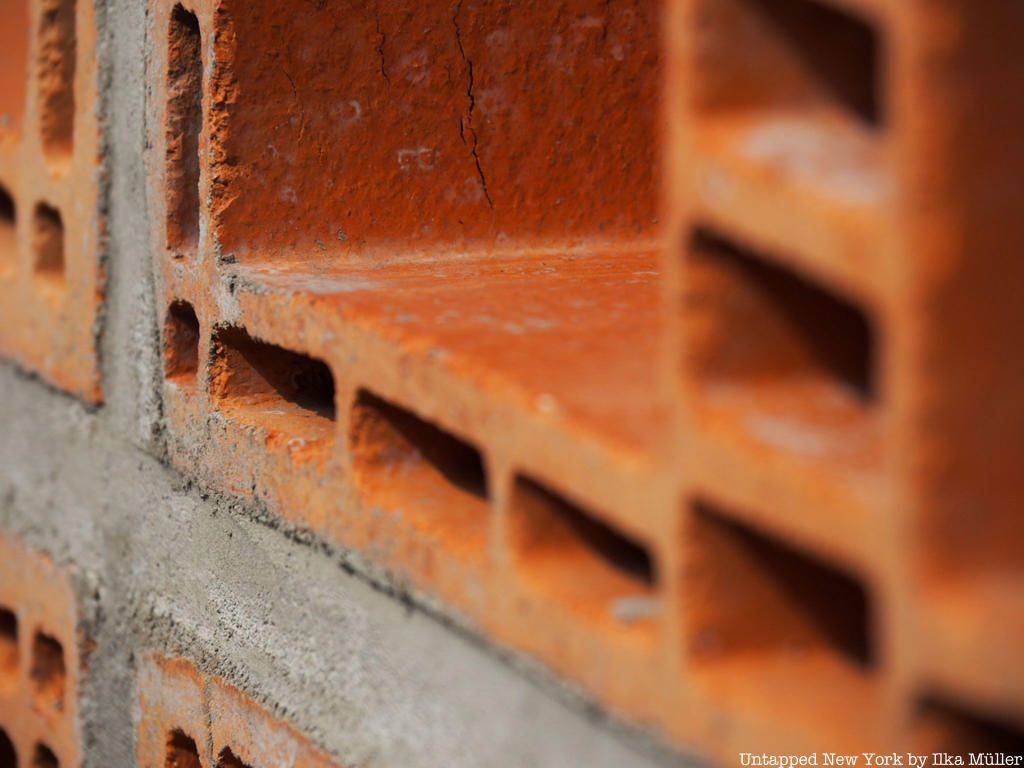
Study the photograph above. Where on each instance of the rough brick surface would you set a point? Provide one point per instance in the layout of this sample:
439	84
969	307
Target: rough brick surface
52	227
40	660
384	322
189	720
346	378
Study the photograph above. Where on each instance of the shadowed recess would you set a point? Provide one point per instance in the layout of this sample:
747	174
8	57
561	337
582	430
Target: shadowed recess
44	757
421	472
181	342
184	125
48	243
578	557
8	232
8	649
788	55
8	757
755	595
56	76
227	759
254	372
181	751
49	676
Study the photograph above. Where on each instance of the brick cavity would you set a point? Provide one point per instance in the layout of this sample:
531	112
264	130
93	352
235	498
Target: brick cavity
576	557
405	463
56	77
184	125
755	597
8	649
48	245
48	673
181	343
273	388
181	751
8	233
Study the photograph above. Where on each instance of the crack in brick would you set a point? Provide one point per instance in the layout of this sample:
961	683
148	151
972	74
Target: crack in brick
298	103
381	39
466	123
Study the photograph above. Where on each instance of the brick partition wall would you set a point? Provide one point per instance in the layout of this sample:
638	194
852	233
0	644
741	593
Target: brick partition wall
660	357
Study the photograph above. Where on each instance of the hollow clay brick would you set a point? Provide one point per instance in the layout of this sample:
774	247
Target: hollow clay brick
52	224
41	659
604	326
190	720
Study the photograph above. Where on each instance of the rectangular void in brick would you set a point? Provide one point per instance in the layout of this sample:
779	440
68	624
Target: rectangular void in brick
762	614
8	755
44	757
184	125
49	675
422	124
181	344
408	465
56	77
568	554
14	39
48	247
794	85
181	751
792	360
8	233
942	725
8	650
263	385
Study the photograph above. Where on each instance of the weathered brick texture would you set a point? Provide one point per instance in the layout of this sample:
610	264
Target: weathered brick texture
190	720
52	226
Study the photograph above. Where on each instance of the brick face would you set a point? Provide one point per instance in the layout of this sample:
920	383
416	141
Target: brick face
52	228
40	660
190	720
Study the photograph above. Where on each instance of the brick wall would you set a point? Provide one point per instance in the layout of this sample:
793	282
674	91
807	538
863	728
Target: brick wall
666	353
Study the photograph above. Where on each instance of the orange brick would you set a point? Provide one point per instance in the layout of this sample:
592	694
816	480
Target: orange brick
41	660
344	376
52	229
419	296
189	720
842	310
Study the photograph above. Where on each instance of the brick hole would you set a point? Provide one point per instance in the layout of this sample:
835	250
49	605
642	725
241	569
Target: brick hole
8	232
227	759
181	343
8	757
49	676
48	244
57	44
181	751
789	55
405	463
14	40
578	558
184	125
8	649
755	597
768	341
43	757
272	387
949	727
